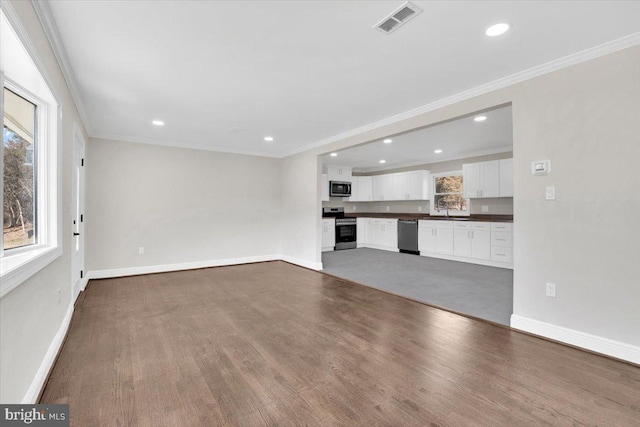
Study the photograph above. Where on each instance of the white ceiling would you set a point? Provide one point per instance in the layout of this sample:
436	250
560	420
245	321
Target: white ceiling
458	139
224	74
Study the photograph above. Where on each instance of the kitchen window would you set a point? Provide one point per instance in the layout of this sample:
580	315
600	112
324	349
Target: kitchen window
29	163
448	196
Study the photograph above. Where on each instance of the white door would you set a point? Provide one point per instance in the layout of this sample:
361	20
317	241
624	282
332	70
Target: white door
506	178
399	186
78	279
462	242
366	188
481	244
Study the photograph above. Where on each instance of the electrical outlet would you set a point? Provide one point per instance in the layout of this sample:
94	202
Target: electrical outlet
419	208
551	290
141	250
388	209
354	207
485	208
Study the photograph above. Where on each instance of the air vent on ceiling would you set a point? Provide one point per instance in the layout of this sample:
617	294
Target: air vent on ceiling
398	17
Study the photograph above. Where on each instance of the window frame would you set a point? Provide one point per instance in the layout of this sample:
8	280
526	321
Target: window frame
432	205
19	264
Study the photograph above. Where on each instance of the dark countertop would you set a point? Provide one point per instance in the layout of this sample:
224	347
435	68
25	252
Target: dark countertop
476	217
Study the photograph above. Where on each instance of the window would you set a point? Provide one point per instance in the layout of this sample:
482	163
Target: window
448	196
29	162
19	227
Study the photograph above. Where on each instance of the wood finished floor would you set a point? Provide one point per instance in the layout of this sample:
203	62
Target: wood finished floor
275	344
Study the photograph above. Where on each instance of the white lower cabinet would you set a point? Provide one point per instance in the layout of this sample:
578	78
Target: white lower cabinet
484	243
435	237
328	234
378	233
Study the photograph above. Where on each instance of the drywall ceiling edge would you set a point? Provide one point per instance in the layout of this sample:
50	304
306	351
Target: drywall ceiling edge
44	13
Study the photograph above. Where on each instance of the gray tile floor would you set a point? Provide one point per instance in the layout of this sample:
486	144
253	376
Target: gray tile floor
480	291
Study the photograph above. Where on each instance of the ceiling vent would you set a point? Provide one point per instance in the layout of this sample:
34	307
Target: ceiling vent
398	18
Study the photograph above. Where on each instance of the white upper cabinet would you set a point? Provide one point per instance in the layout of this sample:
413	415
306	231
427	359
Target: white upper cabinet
483	179
365	188
399	183
383	187
418	185
339	173
355	185
506	178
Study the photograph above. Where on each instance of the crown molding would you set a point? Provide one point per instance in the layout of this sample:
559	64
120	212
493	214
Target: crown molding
46	18
174	144
537	71
43	11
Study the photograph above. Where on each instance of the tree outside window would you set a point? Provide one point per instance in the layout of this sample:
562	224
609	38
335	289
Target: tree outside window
448	195
19	161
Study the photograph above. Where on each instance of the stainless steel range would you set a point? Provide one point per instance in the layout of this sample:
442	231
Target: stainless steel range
346	228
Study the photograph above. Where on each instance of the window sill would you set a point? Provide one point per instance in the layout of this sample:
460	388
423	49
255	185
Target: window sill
16	268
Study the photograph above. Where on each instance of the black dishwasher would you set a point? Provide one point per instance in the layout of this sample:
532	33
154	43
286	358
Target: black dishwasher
408	236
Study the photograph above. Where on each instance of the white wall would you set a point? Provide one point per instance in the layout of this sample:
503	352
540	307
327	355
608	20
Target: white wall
181	205
301	209
586	119
31	315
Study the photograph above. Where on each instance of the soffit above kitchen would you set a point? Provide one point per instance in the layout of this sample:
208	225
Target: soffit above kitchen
225	75
460	138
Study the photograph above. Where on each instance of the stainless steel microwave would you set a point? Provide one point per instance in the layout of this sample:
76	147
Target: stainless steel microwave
339	189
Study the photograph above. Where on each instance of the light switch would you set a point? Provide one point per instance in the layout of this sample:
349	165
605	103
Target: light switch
485	208
550	193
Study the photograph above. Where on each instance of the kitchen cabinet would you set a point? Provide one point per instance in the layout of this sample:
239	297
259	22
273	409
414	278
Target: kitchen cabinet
472	240
435	237
361	189
475	242
506	178
378	233
361	231
365	188
412	185
339	173
328	234
481	179
325	187
502	242
382	187
355	185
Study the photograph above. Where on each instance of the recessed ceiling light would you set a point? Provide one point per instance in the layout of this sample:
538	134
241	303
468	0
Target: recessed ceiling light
438	151
480	118
497	29
268	138
383	161
334	154
388	141
158	122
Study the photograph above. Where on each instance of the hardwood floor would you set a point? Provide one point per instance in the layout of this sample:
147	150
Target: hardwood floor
275	344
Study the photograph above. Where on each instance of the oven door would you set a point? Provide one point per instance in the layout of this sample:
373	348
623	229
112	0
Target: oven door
346	236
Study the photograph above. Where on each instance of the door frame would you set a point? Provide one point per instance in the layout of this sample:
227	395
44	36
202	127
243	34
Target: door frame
78	273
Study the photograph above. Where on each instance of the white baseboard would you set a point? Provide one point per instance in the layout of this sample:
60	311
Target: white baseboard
617	349
302	262
135	271
40	378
